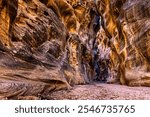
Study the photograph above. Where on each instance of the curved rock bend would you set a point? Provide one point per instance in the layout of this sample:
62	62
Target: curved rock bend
48	45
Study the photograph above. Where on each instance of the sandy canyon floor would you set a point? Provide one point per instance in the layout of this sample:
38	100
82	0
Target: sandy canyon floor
101	91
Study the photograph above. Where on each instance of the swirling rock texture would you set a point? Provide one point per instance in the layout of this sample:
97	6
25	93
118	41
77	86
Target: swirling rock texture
126	24
48	45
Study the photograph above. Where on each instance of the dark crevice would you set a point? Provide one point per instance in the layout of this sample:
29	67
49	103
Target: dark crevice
46	13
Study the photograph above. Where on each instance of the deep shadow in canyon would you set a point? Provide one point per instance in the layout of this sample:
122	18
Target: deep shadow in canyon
52	45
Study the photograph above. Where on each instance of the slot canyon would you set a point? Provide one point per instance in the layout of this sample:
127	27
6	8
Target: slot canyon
74	49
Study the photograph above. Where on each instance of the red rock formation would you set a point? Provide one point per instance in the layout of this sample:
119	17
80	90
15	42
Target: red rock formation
48	45
126	24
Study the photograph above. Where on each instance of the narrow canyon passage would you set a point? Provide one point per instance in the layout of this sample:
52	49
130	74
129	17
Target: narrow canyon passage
74	48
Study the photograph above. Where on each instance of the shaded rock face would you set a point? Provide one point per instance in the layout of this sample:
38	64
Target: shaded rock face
48	45
33	59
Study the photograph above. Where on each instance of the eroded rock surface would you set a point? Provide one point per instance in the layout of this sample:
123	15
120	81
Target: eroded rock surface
48	45
126	25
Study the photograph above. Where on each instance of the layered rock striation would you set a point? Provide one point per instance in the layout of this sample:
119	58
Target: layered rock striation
48	45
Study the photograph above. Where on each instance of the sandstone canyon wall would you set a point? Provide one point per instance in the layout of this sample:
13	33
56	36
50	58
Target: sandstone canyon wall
48	45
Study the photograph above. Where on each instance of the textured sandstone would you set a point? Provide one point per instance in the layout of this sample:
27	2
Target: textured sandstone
127	26
48	45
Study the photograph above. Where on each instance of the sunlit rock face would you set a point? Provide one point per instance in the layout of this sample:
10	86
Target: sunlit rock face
136	28
126	25
48	45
